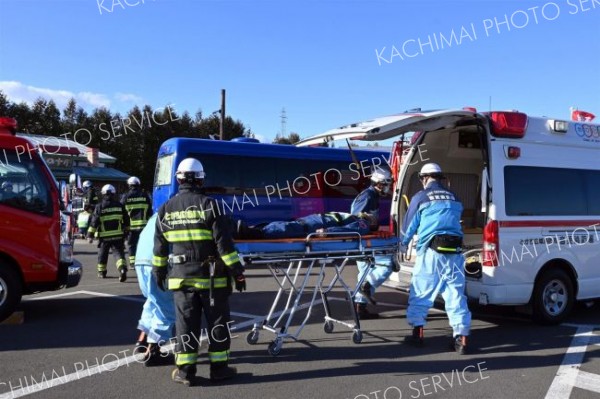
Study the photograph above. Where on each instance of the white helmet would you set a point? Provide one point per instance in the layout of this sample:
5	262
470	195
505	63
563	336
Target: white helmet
381	176
133	181
190	166
108	189
87	184
430	169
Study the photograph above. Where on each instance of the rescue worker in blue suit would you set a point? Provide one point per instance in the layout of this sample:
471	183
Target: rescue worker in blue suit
434	215
367	202
332	222
157	321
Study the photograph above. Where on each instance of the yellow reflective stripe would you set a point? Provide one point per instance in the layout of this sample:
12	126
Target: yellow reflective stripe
138	222
188	235
120	262
111	233
336	216
111	217
230	258
159	261
446	249
92	230
218	356
101	267
136	206
199	283
185	358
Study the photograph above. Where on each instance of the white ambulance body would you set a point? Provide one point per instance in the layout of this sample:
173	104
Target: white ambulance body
530	188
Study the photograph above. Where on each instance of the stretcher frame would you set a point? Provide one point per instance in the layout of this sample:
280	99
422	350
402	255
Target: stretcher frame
293	284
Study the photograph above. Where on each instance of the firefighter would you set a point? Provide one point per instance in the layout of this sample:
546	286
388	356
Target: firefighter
111	222
203	263
90	194
139	208
368	202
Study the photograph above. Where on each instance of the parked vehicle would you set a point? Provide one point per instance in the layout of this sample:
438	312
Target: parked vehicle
35	250
529	187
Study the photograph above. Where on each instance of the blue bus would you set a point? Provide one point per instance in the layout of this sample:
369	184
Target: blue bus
260	183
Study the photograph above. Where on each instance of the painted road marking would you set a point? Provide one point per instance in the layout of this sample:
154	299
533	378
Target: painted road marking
568	375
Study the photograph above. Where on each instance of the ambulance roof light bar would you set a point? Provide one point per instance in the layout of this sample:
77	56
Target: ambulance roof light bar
508	124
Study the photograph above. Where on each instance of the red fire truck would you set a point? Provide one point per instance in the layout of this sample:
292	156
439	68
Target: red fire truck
35	252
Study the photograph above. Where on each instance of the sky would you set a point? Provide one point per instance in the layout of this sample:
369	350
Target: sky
328	63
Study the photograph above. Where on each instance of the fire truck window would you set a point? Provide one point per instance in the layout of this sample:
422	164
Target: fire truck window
22	185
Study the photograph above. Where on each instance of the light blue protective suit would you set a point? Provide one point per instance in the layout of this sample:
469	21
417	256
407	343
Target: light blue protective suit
436	211
158	314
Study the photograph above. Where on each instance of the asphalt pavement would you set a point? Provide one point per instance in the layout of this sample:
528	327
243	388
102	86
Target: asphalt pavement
78	343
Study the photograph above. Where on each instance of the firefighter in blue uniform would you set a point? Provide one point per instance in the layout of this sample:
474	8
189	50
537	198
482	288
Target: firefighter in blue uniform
203	264
139	208
111	222
434	215
367	202
332	222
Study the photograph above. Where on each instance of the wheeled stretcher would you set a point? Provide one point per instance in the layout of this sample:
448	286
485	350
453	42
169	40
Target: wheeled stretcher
293	262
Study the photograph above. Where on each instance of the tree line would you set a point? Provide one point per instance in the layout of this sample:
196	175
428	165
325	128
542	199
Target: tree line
132	138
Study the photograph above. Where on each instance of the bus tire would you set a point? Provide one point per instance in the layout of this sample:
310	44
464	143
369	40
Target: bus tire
11	290
553	297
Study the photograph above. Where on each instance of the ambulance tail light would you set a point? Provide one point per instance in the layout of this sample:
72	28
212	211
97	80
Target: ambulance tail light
508	124
491	243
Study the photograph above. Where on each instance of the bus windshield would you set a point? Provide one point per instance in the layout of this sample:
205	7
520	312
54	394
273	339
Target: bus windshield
164	170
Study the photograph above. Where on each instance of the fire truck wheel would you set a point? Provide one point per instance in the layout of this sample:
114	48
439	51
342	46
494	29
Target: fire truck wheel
10	290
553	297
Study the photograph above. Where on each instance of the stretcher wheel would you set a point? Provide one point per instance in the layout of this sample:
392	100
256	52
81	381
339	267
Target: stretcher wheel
252	337
357	336
274	348
328	327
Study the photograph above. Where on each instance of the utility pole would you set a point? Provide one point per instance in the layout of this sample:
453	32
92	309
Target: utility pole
283	122
222	119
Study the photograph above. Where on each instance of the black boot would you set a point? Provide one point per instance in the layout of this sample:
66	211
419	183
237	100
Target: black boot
102	274
184	375
154	357
221	371
459	344
122	274
363	313
416	338
245	232
365	290
141	344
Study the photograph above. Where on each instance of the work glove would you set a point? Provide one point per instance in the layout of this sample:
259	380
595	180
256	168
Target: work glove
160	275
239	279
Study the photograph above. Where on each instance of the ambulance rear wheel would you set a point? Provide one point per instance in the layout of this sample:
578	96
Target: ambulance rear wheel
553	297
11	290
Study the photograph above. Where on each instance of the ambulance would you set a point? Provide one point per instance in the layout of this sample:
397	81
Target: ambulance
530	188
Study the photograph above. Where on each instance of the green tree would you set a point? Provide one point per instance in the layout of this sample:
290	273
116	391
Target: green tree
292	138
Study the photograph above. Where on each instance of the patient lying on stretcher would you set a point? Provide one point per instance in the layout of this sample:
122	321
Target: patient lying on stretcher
332	222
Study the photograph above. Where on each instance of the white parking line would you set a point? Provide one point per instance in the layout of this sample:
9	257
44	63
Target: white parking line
567	375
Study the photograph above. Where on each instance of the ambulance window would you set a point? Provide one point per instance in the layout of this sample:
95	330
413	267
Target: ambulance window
544	191
593	191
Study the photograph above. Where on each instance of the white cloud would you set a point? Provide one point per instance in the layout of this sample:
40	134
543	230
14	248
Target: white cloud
18	92
130	98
